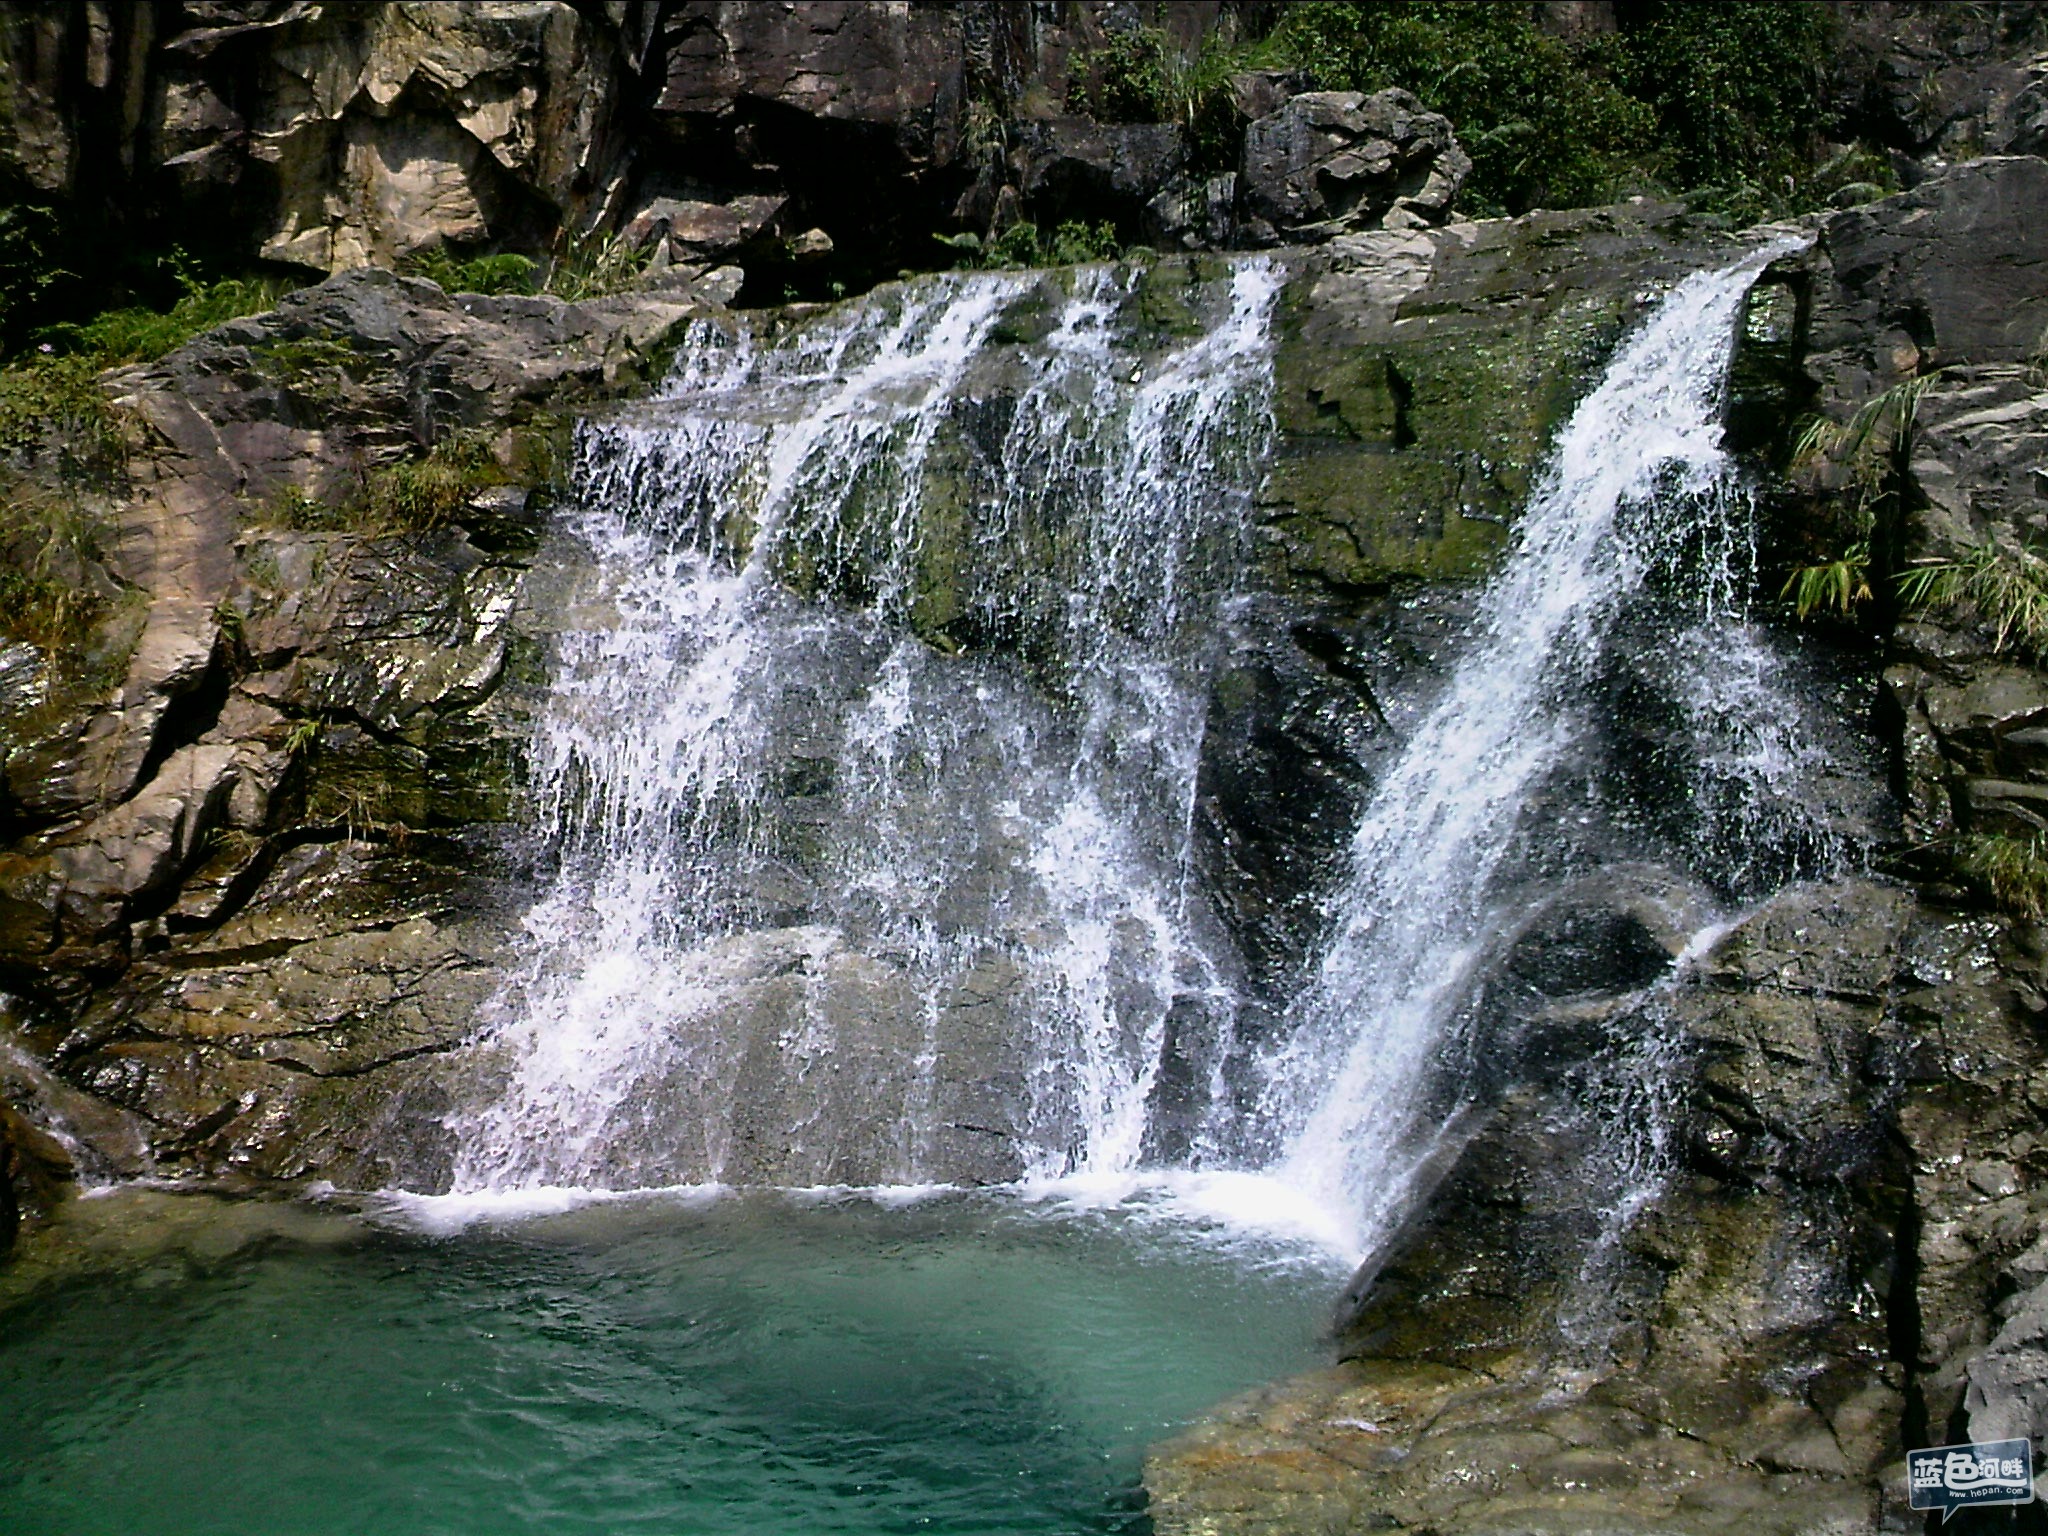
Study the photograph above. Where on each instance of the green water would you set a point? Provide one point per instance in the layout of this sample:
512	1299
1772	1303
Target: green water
760	1364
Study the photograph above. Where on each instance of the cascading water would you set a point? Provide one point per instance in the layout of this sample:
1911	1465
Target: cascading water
1637	480
833	906
872	754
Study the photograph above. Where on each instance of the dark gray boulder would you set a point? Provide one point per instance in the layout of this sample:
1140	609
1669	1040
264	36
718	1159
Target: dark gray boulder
1335	162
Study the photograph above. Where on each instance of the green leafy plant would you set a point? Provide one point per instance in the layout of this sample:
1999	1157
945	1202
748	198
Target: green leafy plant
291	507
594	266
1544	124
1870	449
232	845
415	495
49	543
56	421
501	272
1139	76
29	267
1127	79
1025	245
263	569
302	737
1724	99
2007	587
1872	443
1849	175
423	494
1832	586
2011	872
137	335
1738	88
292	358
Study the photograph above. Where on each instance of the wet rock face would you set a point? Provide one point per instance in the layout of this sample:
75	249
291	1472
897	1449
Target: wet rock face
250	879
1421	375
1832	1248
1571	1289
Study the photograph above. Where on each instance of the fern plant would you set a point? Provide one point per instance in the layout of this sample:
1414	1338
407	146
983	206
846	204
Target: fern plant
1833	586
1872	448
2007	587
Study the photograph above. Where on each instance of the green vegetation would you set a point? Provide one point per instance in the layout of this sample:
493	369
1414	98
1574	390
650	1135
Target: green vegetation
1869	453
57	422
29	268
595	266
60	450
1872	444
61	446
139	335
1546	124
1722	101
1127	79
302	737
591	266
314	368
1832	586
421	494
2010	872
49	541
504	272
411	496
1025	245
1138	76
1738	94
2007	587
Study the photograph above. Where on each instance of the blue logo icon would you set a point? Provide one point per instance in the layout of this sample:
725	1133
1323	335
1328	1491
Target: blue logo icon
1953	1477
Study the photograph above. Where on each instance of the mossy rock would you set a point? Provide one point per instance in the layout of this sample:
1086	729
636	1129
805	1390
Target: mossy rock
1420	382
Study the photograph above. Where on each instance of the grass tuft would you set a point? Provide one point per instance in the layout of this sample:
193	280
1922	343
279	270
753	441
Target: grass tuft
2007	587
2011	872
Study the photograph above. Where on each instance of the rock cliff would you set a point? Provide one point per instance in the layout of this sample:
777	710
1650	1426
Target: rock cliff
1844	1259
249	812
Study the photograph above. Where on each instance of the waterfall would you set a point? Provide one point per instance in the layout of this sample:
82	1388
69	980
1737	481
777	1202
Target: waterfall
1638	479
869	765
868	772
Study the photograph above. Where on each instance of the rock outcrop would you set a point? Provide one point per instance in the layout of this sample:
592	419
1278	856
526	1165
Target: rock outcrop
341	135
331	135
1834	1250
249	854
1328	163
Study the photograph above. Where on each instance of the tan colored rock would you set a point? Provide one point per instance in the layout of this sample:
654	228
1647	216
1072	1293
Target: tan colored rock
140	846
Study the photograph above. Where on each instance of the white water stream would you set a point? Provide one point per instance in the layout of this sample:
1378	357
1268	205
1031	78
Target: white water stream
1635	475
832	904
732	978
